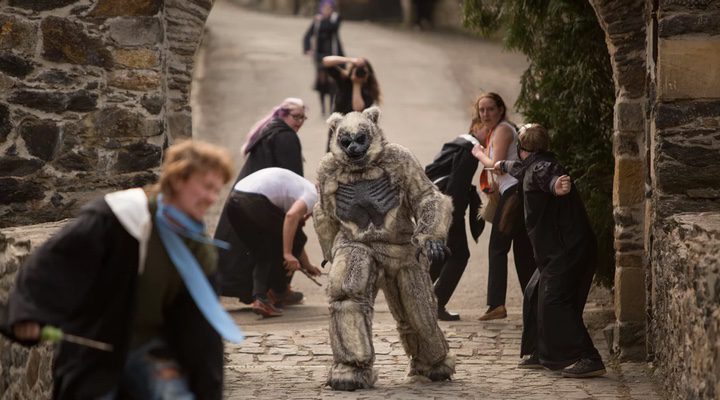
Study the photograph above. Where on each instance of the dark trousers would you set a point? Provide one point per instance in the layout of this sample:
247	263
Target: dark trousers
508	228
446	276
553	307
259	225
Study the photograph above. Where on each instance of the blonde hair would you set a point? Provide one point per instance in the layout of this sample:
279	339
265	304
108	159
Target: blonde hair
188	157
534	138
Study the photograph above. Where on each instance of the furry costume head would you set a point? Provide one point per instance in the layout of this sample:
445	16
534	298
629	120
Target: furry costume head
357	140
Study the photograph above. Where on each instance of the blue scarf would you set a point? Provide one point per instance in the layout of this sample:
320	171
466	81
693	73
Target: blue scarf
189	269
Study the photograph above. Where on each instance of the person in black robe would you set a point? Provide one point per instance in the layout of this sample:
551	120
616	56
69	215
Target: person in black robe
456	182
108	276
357	85
564	245
323	39
272	142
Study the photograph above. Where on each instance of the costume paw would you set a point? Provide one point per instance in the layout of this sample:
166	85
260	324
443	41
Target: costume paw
441	371
349	378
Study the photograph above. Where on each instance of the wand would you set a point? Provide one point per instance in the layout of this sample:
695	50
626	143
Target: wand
309	276
54	334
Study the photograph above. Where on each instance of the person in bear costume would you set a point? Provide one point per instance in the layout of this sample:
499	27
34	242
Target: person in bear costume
381	223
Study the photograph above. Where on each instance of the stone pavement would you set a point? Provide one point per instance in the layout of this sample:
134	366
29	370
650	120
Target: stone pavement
288	358
248	63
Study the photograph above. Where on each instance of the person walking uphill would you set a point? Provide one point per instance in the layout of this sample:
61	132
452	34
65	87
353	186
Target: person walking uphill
132	271
323	39
452	172
554	335
272	142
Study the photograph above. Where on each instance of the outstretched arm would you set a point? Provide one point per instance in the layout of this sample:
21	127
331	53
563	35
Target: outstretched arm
290	225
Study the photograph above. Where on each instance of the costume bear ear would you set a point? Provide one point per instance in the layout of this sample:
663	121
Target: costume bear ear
372	113
334	120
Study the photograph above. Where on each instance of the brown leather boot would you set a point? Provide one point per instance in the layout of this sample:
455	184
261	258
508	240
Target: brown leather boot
498	312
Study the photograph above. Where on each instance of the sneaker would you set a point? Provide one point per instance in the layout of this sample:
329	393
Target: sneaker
530	362
585	368
445	315
265	308
289	298
498	312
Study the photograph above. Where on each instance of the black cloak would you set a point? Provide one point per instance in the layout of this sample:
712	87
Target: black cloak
82	280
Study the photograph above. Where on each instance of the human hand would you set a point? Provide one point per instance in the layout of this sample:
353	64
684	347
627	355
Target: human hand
477	150
563	185
312	270
291	263
358	62
27	330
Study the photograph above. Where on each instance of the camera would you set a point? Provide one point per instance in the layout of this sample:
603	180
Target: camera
360	72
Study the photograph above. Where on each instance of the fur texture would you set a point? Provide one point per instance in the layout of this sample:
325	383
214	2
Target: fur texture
379	254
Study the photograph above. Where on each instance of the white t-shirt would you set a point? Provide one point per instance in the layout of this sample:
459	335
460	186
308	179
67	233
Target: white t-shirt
505	181
281	186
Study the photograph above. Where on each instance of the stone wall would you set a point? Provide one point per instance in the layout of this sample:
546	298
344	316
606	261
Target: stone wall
684	232
24	373
686	312
91	92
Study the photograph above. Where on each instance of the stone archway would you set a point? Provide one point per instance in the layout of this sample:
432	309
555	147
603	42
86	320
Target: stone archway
625	32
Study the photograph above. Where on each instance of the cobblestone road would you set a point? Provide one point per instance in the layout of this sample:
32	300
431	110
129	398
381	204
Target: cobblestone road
249	62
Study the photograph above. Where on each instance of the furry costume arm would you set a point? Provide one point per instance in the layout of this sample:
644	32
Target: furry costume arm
432	210
326	226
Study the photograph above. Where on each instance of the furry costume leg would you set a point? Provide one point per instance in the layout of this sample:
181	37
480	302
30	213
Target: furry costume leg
351	291
412	302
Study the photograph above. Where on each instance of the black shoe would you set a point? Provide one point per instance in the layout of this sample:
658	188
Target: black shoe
445	315
530	362
585	368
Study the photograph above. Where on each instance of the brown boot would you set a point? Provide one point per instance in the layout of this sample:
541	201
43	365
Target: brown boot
498	312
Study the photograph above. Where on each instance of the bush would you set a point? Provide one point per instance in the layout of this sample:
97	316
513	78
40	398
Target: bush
568	88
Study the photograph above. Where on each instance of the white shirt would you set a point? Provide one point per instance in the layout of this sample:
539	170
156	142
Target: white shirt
281	186
505	181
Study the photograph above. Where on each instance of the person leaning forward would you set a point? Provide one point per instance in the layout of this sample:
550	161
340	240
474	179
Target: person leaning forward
131	271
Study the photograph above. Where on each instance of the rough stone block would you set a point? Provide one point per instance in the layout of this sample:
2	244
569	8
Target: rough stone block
629	341
686	113
5	122
153	103
116	122
14	65
135	31
15	190
628	182
125	8
629	115
17	34
689	68
77	160
41	137
684	168
41	5
707	23
138	157
626	143
55	102
629	294
57	77
16	166
136	58
66	41
135	80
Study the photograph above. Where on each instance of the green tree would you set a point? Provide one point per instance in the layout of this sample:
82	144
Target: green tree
568	88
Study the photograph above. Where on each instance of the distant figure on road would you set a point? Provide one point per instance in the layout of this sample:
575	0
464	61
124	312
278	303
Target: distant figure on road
272	142
357	85
554	335
452	172
508	227
266	209
131	271
323	39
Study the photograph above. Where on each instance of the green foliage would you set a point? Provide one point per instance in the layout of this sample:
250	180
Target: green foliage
567	88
